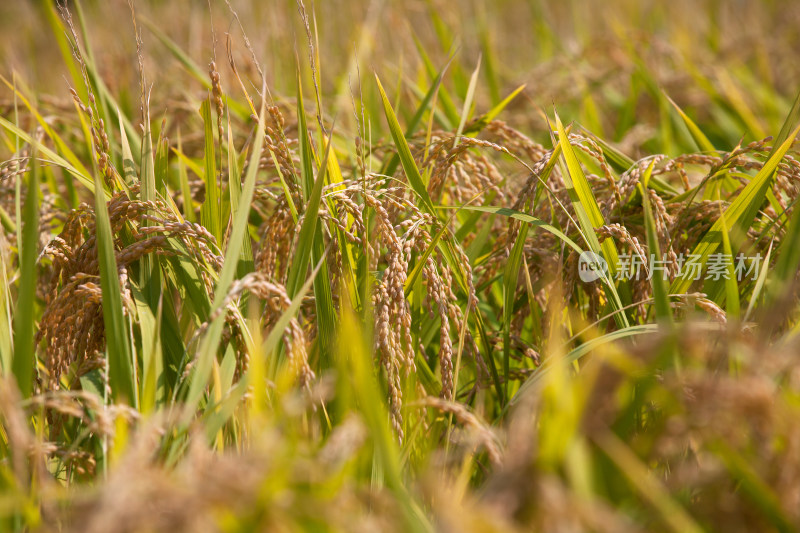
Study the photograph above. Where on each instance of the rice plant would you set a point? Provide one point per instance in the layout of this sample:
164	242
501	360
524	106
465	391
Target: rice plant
509	267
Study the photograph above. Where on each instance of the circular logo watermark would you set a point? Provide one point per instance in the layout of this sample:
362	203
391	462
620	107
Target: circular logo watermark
591	266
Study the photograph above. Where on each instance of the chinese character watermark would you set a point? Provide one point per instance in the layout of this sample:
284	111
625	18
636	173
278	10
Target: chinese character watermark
591	266
718	266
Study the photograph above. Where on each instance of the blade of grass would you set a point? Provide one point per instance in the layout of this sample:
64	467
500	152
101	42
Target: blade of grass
246	261
740	212
152	386
468	100
640	476
190	163
732	305
24	360
211	211
118	349
584	202
59	143
186	192
149	273
404	152
510	276
450	111
392	163
481	122
762	278
518	215
589	217
582	350
83	176
208	345
658	281
129	176
6	317
697	134
355	362
310	245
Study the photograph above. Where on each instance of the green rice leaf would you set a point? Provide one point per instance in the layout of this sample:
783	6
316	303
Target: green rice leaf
211	211
82	175
355	362
589	218
118	349
152	390
403	150
740	212
450	117
149	273
510	276
394	160
59	143
210	341
468	100
762	278
518	215
24	360
699	137
246	262
648	485
310	246
658	282
584	203
481	122
732	306
576	353
186	192
129	175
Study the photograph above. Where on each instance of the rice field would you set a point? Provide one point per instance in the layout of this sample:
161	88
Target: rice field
399	266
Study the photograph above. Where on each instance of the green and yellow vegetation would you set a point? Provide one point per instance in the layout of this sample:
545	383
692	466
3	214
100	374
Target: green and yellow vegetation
282	266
